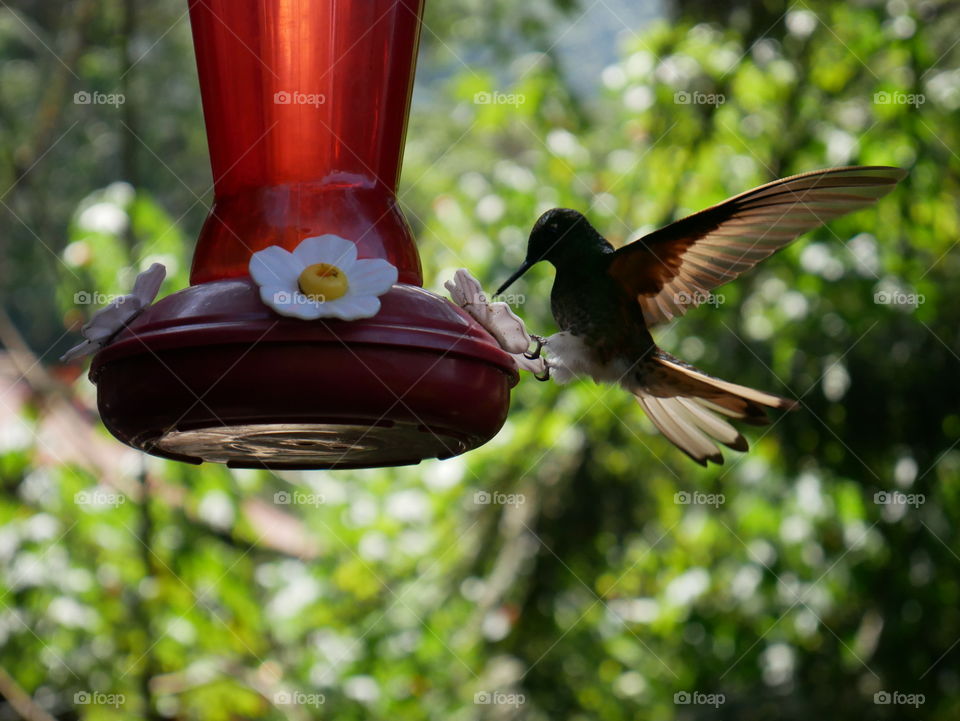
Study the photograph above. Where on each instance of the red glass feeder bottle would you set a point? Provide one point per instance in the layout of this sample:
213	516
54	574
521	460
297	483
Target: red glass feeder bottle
306	107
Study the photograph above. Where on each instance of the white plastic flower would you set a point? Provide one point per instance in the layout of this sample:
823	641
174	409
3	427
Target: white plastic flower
109	320
321	278
503	324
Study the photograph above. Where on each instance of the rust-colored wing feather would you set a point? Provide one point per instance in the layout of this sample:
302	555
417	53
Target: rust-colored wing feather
675	267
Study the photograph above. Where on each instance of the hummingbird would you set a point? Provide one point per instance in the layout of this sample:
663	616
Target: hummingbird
605	299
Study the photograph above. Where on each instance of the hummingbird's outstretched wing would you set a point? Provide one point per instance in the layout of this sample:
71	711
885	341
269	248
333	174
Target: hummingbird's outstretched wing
675	267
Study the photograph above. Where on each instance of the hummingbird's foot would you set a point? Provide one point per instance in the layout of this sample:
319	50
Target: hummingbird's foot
536	353
545	376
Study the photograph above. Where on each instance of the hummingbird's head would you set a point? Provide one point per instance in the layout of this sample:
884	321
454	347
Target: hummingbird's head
554	234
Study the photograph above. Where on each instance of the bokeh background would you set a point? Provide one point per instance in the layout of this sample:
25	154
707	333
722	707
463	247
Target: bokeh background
815	577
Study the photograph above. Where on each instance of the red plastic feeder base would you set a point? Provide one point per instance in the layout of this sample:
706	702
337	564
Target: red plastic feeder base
212	374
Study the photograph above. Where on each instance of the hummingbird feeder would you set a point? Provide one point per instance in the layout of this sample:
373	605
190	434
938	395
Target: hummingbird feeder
306	108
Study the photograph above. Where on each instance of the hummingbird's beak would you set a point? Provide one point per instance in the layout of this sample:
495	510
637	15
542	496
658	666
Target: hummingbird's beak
520	271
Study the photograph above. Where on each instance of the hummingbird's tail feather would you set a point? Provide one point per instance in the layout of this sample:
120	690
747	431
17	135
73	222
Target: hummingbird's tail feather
681	428
682	402
737	401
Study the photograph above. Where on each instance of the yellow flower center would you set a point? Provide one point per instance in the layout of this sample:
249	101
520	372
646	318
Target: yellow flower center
322	282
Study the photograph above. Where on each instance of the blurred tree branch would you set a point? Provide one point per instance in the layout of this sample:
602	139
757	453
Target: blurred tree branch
19	700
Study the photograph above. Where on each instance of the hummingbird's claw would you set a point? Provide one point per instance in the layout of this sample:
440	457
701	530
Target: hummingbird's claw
546	374
536	353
